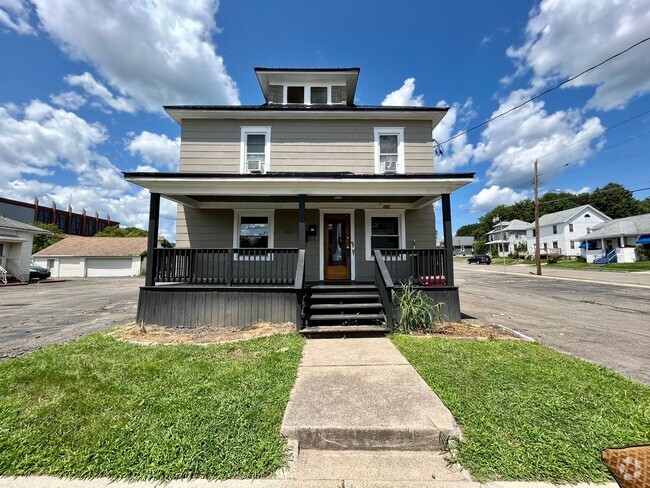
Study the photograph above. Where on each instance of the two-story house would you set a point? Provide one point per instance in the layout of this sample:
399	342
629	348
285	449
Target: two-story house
308	208
505	236
558	230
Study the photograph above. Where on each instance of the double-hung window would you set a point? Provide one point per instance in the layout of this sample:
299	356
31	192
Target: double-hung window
389	150
253	229
384	230
255	150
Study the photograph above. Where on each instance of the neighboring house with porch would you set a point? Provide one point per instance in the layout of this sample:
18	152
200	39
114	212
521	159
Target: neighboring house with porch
558	230
16	240
308	209
94	257
505	236
615	241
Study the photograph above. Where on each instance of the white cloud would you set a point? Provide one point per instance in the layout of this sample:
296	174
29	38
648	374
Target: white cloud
38	138
156	149
557	47
69	100
585	189
403	96
14	14
94	88
151	52
513	142
491	197
458	152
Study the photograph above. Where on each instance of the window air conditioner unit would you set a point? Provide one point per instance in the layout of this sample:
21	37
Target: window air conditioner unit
254	166
390	167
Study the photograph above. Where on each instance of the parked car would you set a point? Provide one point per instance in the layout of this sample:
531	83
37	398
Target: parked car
37	272
479	259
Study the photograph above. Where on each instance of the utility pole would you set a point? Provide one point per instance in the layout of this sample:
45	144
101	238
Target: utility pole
538	260
497	219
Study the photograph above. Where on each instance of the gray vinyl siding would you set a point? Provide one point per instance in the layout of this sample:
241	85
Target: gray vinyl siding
214	229
302	145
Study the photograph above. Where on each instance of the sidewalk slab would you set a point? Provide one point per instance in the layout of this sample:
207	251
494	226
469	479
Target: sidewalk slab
362	394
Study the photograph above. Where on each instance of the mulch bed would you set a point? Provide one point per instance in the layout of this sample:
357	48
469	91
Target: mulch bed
465	330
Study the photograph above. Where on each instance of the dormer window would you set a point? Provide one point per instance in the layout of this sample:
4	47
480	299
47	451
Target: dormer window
319	95
295	94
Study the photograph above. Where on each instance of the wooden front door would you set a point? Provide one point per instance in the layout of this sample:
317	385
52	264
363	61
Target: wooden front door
337	247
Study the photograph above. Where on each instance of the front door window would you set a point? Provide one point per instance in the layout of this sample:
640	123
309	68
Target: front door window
337	247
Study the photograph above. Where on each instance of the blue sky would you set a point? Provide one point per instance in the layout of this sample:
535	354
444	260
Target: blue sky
83	82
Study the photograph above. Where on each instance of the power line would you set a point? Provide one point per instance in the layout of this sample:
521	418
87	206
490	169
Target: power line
555	87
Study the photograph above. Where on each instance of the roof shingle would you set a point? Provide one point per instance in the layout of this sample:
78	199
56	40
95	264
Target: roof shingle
96	247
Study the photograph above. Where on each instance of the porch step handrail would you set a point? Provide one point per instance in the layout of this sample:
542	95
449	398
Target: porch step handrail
3	275
385	286
225	266
422	267
299	286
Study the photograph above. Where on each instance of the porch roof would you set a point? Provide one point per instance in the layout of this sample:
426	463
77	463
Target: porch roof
222	190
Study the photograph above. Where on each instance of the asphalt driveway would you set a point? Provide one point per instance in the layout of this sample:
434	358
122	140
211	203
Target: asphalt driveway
605	323
37	315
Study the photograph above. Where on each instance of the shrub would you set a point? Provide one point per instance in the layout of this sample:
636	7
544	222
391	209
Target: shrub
416	311
553	258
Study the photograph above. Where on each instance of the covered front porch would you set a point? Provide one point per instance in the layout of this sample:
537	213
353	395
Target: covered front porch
257	247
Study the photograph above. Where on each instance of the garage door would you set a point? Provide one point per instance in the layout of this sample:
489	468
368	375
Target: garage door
108	267
70	268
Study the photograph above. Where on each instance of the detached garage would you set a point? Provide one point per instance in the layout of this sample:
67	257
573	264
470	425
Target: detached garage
94	257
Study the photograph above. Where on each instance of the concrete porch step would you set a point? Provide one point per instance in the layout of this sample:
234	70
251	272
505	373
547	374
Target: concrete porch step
344	329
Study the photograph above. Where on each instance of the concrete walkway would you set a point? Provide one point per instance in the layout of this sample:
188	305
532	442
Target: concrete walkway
363	394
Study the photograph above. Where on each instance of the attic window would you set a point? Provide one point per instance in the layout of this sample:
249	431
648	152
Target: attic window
587	216
295	94
319	94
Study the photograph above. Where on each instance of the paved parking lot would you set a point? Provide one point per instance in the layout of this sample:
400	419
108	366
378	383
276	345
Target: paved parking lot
37	315
604	323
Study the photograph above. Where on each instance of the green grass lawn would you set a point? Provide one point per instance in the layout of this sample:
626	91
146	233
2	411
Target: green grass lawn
99	407
530	413
571	264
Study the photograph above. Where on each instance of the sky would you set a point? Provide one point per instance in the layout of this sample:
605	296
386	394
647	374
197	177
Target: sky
82	85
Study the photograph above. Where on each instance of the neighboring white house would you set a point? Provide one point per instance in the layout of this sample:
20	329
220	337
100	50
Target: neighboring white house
559	230
463	245
16	248
615	240
79	257
506	236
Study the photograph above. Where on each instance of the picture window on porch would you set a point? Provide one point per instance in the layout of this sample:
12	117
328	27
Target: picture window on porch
389	150
384	231
255	149
253	230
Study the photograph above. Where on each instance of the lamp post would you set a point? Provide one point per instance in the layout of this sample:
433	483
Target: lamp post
497	220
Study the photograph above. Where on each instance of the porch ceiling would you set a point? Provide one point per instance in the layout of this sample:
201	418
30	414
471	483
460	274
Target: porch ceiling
218	190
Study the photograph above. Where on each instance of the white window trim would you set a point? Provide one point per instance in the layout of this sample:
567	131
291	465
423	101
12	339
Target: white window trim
308	87
401	223
390	131
238	214
245	131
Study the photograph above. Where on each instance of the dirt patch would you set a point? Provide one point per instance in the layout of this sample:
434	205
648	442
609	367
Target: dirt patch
154	335
465	330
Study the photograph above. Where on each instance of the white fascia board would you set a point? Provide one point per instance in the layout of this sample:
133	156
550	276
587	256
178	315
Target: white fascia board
179	115
297	186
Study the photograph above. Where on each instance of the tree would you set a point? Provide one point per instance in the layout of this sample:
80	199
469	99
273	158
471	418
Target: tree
644	205
41	241
467	230
615	201
115	231
480	247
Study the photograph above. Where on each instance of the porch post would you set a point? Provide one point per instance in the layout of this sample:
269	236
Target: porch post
449	242
302	238
152	237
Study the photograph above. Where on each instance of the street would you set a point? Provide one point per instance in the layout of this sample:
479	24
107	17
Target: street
37	315
604	323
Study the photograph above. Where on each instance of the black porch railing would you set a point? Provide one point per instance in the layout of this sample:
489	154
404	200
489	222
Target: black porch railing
228	267
423	267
